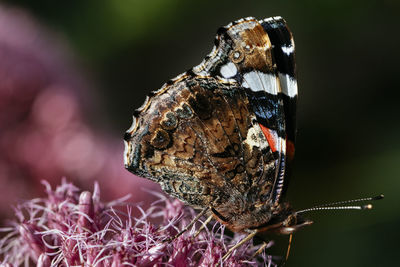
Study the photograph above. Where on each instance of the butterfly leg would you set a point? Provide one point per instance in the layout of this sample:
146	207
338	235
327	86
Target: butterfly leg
260	250
201	213
251	234
203	225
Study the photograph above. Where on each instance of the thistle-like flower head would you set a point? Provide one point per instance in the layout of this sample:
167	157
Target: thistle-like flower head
70	228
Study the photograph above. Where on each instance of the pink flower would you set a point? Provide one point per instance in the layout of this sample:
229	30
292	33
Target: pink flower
69	227
45	107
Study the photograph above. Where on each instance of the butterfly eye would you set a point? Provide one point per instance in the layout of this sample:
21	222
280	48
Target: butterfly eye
236	56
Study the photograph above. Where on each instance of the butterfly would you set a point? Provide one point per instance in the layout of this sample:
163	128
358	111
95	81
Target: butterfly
221	136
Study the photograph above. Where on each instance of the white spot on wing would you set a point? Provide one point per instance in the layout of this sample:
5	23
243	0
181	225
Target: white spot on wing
256	138
288	84
288	49
259	81
228	70
272	21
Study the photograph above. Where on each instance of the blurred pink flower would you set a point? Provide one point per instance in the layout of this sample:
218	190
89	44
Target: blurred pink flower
44	108
71	228
44	133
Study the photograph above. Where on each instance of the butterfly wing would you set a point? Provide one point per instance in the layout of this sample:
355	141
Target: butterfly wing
188	137
284	56
259	56
217	135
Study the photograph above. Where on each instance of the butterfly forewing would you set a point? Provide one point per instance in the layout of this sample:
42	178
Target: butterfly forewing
217	136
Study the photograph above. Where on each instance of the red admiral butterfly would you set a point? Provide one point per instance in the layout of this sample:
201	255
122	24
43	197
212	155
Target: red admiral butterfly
221	136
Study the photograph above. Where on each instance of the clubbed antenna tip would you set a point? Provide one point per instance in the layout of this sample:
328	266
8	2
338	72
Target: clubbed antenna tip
378	197
367	207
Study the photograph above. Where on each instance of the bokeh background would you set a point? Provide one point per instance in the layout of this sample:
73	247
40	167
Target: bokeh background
72	72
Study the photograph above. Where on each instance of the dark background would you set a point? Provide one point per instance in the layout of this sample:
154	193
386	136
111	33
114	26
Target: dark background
348	73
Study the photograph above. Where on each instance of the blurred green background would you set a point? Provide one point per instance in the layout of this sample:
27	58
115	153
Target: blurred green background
348	114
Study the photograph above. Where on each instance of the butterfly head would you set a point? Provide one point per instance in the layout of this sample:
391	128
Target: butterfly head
292	223
283	221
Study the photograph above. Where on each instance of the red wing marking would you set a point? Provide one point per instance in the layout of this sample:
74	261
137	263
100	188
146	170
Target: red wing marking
270	137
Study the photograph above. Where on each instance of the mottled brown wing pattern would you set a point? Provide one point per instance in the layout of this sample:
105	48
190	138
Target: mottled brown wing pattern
215	136
190	140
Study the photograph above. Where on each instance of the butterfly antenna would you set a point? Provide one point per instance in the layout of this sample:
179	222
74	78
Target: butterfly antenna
333	206
352	201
